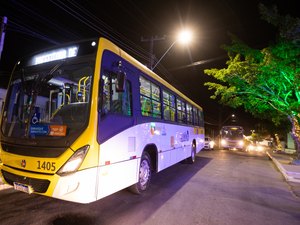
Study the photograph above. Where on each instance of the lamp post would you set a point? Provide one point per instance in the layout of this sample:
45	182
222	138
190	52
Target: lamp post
184	37
232	117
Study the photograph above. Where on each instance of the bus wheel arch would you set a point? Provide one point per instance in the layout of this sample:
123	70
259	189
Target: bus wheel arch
146	168
151	149
192	158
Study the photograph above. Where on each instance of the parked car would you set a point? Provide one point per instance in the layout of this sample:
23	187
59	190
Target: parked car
209	143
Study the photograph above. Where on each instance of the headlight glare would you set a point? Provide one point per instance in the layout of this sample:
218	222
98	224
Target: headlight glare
223	142
241	143
260	148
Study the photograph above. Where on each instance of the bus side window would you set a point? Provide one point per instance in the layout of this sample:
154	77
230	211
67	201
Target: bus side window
167	113
189	111
114	101
181	111
126	102
116	105
169	106
201	118
172	114
156	109
105	98
146	106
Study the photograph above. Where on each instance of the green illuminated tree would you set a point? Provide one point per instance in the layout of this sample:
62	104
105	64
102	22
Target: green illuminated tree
266	82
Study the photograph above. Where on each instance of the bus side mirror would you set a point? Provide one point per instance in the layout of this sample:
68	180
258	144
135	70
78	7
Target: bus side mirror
120	85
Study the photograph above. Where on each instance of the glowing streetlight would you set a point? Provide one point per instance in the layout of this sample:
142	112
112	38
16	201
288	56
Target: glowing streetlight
232	117
184	37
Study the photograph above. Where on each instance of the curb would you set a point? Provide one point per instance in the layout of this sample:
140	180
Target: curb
288	175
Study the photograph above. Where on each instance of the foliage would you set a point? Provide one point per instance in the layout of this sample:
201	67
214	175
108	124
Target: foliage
266	82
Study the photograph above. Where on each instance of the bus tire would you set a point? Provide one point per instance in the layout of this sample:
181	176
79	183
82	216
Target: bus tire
145	174
192	158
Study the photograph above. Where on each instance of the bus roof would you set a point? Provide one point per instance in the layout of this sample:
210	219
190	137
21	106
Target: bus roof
232	127
112	47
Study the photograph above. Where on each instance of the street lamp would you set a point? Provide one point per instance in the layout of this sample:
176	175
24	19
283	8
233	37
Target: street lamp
232	117
184	37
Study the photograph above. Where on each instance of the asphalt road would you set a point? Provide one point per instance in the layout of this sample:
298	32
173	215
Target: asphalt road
222	187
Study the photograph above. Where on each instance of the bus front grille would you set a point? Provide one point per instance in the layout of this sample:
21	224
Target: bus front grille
38	185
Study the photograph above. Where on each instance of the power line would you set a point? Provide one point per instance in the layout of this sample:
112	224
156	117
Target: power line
37	16
93	22
151	40
85	18
201	62
21	28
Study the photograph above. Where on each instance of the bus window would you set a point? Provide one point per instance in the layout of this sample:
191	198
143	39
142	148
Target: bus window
189	113
114	101
150	98
181	114
169	106
155	95
201	118
146	106
196	117
38	94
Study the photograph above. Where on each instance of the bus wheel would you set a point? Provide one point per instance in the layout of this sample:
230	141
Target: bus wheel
144	175
192	158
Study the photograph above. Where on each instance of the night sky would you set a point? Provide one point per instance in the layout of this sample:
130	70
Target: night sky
34	24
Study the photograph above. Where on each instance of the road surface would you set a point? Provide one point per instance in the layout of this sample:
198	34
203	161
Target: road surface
222	187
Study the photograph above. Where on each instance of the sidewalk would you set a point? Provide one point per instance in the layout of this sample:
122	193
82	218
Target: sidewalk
290	172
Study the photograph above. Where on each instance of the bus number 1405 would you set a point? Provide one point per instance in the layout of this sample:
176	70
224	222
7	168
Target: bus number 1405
50	166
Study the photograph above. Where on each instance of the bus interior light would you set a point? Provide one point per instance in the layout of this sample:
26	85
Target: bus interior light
74	162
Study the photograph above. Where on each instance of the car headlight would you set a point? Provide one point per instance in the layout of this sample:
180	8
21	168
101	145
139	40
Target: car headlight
260	148
74	162
251	147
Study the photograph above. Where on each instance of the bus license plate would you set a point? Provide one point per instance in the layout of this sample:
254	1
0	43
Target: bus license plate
23	187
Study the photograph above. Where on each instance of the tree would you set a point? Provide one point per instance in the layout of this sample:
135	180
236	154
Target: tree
266	82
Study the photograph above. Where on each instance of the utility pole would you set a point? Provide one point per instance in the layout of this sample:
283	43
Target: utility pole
2	33
151	40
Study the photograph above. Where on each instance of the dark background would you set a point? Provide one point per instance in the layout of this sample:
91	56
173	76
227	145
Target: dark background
34	24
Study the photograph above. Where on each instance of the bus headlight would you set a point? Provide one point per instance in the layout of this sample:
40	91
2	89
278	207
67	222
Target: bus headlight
74	162
241	143
223	142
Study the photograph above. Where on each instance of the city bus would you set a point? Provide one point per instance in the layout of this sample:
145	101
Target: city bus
232	137
84	120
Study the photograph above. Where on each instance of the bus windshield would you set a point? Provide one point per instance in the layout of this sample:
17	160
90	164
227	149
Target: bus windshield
233	133
48	101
